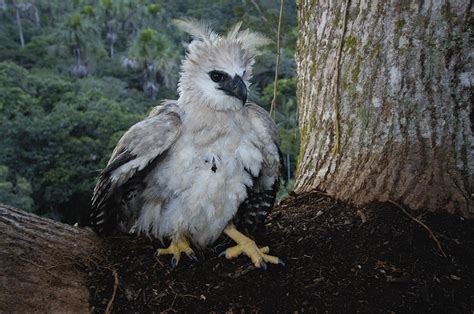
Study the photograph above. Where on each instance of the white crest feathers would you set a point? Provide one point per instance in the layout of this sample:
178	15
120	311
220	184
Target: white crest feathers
202	31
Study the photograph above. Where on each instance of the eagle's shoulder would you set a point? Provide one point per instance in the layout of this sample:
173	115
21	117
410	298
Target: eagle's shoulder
167	106
262	122
154	134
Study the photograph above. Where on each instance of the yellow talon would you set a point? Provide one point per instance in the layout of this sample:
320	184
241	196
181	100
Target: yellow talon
176	248
248	247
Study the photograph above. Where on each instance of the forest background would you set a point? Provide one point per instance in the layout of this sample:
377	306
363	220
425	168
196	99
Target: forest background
75	75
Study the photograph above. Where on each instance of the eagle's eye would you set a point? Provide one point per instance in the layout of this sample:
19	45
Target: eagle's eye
217	76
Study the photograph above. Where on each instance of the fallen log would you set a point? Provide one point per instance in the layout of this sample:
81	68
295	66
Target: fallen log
40	261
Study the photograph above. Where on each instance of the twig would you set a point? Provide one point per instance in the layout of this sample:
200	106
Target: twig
277	66
43	267
137	294
191	296
323	193
402	279
108	309
423	225
172	304
337	79
158	261
362	216
46	269
255	4
239	273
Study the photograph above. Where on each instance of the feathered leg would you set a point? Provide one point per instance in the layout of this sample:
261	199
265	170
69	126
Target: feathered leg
178	245
248	247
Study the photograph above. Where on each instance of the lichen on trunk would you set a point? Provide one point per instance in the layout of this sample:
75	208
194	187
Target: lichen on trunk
404	102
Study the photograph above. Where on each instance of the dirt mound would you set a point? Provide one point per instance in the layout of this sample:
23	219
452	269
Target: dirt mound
339	257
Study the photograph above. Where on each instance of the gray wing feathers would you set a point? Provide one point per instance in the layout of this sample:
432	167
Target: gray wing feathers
145	140
268	133
138	148
261	118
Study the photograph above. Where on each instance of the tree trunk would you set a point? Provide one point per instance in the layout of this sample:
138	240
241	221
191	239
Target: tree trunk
20	29
37	17
391	83
38	259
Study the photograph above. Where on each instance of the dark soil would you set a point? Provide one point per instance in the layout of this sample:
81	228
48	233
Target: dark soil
339	258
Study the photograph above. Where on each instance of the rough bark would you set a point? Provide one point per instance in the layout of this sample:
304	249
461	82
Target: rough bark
403	102
38	259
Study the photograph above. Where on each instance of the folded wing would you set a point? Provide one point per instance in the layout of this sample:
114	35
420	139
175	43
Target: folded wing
139	150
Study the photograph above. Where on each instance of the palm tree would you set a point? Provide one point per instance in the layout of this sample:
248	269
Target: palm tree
155	56
108	11
80	34
20	7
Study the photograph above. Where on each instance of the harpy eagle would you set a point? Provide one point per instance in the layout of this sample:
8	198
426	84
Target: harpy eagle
203	165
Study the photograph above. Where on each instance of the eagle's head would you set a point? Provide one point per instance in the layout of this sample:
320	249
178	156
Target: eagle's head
217	69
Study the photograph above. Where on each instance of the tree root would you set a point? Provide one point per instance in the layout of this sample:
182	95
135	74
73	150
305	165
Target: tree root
423	225
108	309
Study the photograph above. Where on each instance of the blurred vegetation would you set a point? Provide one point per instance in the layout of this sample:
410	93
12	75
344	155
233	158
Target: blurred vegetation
74	75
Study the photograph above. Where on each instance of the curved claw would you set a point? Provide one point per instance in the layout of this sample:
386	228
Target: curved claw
174	262
222	253
248	247
193	256
282	263
175	249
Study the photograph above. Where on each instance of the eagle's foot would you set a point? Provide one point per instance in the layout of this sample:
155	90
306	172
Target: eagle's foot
176	248
247	246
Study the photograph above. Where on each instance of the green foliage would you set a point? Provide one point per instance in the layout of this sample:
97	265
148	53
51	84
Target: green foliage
146	37
88	10
58	130
17	193
285	189
154	8
106	3
74	22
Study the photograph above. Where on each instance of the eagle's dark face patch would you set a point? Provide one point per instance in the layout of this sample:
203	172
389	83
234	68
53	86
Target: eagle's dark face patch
218	76
230	86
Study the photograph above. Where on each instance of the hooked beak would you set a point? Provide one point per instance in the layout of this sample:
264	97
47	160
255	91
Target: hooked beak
235	87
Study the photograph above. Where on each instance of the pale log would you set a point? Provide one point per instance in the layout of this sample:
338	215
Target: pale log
39	259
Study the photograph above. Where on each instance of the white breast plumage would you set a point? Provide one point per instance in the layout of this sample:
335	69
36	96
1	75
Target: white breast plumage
207	183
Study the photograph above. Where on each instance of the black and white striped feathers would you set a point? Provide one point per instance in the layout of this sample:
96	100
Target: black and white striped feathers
260	200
